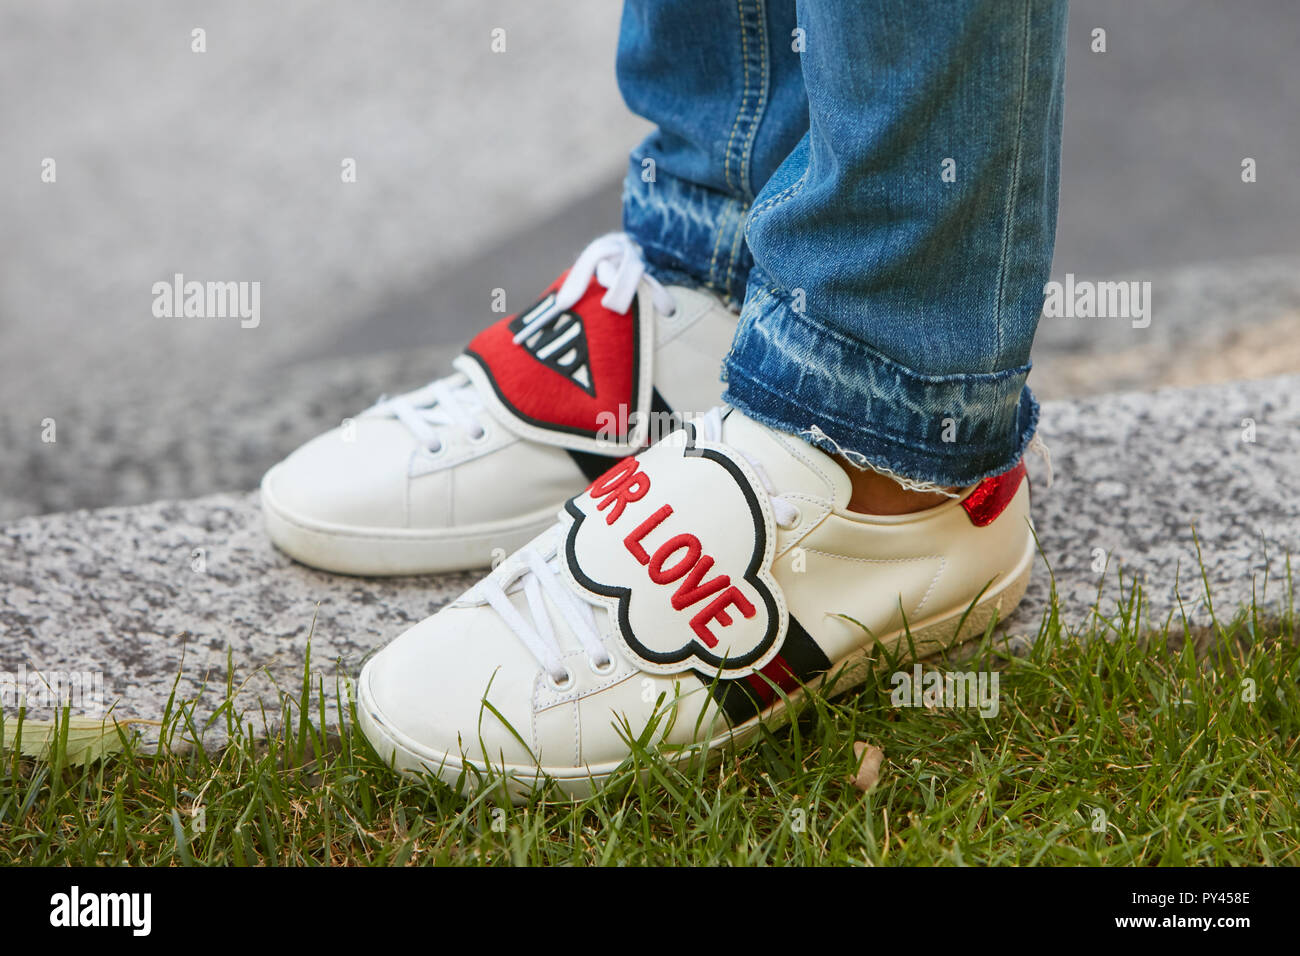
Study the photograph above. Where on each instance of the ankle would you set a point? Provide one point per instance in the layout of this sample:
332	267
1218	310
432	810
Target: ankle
877	494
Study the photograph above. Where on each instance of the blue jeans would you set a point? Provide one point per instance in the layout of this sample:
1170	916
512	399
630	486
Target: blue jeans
874	182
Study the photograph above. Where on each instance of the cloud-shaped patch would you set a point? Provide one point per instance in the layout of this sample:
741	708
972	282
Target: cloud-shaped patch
678	543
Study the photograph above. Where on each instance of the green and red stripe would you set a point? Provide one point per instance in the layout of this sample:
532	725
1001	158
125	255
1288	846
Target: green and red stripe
800	661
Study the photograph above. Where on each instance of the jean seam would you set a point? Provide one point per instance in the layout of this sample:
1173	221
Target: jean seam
678	275
730	207
762	41
1014	183
739	182
731	139
677	223
735	249
771	201
744	98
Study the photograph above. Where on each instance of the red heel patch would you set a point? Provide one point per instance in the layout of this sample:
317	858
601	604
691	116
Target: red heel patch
992	495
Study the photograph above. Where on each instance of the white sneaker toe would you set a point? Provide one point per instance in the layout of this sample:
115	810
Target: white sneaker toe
342	496
473	466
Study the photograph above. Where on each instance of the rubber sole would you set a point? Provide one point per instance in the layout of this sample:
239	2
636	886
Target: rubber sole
519	781
383	552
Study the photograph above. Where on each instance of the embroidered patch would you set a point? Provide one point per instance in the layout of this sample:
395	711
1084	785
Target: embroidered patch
678	543
560	346
575	378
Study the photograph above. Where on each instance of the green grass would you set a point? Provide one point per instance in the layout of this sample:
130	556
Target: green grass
1109	748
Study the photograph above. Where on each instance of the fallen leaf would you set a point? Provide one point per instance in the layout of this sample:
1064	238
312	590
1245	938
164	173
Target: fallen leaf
869	760
88	738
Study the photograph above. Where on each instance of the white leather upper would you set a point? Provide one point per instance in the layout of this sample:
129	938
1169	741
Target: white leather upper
430	683
374	474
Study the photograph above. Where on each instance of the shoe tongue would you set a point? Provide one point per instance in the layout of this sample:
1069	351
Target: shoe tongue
792	464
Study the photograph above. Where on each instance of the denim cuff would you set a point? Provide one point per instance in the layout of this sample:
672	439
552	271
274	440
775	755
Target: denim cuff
691	235
791	371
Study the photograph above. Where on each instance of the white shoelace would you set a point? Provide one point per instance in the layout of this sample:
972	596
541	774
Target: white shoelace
453	402
448	402
539	573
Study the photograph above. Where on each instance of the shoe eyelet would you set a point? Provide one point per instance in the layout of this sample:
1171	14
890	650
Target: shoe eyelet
793	523
561	685
433	451
603	670
483	435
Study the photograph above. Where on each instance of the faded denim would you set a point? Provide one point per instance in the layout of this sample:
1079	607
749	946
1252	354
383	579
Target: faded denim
882	202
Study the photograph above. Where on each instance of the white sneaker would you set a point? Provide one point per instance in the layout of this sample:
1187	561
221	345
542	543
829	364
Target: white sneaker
480	462
710	570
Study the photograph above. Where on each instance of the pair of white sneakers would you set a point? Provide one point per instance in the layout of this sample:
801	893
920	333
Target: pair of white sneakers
682	591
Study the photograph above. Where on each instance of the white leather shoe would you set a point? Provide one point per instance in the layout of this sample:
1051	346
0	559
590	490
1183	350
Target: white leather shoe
679	591
479	463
